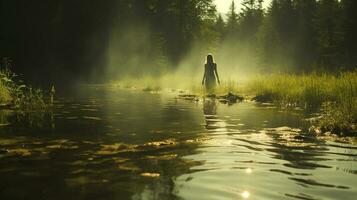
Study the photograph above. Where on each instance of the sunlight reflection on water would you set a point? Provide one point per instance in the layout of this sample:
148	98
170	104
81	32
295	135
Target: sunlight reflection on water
245	194
152	146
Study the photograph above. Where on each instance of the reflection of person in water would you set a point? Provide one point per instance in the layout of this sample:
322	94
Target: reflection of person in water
210	113
210	74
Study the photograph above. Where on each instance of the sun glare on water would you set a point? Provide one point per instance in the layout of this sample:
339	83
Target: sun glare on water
245	194
248	170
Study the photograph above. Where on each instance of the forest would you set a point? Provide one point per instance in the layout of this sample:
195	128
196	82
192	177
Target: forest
76	40
178	99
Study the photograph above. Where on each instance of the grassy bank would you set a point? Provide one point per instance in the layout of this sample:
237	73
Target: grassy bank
335	96
14	94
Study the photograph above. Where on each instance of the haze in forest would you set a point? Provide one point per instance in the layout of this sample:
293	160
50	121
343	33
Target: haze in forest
100	42
222	6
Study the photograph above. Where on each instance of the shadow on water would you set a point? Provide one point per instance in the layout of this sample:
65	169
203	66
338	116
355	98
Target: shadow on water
127	144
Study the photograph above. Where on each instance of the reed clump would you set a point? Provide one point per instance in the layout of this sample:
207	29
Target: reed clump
334	95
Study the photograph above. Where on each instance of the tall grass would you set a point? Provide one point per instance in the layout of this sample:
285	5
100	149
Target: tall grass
5	96
15	94
223	88
335	94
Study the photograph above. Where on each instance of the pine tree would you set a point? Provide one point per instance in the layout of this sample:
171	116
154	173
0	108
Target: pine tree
277	36
329	34
349	31
220	27
232	20
306	35
250	19
268	39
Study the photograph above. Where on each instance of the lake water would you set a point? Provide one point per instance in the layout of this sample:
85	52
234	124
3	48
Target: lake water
109	143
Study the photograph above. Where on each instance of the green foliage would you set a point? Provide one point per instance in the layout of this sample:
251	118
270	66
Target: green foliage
278	37
349	31
329	33
151	38
5	96
30	99
16	94
307	90
336	95
7	85
232	20
157	35
336	119
292	36
250	20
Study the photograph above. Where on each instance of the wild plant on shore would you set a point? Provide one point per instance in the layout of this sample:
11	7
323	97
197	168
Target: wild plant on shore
15	94
335	94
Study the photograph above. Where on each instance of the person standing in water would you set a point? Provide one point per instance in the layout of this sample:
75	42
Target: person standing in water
209	77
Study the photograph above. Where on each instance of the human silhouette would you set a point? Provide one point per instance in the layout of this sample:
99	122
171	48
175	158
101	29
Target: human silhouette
210	74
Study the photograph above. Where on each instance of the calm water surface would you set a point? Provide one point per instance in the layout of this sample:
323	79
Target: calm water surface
127	144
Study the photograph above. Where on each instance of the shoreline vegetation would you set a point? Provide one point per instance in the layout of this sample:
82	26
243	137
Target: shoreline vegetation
330	98
333	97
16	95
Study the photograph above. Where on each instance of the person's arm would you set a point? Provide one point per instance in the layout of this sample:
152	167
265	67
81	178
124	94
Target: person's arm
215	70
204	76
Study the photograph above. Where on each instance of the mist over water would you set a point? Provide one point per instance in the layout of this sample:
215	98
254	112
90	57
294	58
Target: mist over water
134	54
124	113
149	51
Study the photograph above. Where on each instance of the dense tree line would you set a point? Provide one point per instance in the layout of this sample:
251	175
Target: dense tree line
296	35
69	39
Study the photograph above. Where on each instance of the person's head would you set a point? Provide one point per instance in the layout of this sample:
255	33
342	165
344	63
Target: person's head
209	59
